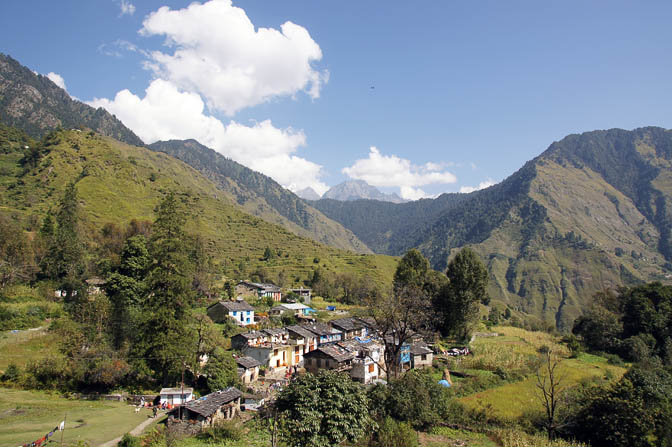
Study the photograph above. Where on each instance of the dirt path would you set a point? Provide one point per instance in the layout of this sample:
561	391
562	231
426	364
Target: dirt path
135	432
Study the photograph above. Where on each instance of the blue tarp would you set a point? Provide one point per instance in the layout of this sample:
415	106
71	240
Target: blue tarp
444	383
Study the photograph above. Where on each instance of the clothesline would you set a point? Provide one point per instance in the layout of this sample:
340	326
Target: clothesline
45	438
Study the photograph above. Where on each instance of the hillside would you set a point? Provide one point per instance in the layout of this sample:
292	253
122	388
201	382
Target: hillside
592	211
32	102
261	196
118	182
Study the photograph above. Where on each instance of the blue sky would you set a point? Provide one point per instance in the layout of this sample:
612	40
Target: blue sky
449	94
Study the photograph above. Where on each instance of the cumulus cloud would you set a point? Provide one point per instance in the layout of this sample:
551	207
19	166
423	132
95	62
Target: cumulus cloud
217	52
166	113
484	184
392	171
57	79
127	8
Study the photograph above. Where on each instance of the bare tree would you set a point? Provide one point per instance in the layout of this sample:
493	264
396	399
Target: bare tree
398	316
550	390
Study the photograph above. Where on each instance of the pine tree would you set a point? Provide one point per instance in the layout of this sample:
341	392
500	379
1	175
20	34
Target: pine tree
63	262
164	332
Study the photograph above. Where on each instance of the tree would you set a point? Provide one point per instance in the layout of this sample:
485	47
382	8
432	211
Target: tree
550	389
636	411
127	288
164	334
398	316
411	271
324	410
458	301
64	261
221	371
416	398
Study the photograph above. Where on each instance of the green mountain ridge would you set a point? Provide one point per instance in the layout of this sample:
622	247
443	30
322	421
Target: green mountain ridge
260	195
117	182
593	211
32	102
35	104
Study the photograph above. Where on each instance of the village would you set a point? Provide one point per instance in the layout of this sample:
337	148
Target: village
268	359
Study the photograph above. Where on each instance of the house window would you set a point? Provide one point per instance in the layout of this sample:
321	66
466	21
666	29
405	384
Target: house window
248	312
248	320
275	352
235	313
423	357
371	367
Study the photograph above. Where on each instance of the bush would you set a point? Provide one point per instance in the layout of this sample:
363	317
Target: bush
129	440
224	431
11	374
395	434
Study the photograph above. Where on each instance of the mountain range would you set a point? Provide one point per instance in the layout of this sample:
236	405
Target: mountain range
591	212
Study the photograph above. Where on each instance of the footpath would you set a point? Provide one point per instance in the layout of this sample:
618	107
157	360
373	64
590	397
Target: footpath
135	432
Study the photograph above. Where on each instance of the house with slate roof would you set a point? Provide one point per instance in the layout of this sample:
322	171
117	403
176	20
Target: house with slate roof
351	327
421	356
259	290
248	369
325	333
212	408
328	357
368	359
240	311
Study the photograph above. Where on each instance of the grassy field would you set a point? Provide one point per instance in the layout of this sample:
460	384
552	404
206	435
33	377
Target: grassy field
511	351
26	416
25	346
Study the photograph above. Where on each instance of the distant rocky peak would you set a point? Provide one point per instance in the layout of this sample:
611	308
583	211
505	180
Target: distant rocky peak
359	189
308	194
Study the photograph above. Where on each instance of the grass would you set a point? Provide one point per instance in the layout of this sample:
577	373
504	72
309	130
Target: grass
26	416
445	436
23	347
510	352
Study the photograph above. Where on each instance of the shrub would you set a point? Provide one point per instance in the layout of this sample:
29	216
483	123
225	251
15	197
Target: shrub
11	374
129	440
395	434
224	431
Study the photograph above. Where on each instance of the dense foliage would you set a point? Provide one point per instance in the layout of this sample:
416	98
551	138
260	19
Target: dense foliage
635	323
323	410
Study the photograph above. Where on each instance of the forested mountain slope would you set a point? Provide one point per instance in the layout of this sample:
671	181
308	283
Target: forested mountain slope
117	182
32	102
261	196
592	211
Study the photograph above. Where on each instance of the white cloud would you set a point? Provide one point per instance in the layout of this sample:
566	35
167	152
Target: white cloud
392	171
484	184
127	8
218	53
168	113
57	79
118	47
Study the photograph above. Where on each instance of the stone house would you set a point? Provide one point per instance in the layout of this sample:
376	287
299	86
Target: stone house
421	356
351	327
248	369
367	361
325	333
328	357
259	290
212	408
303	293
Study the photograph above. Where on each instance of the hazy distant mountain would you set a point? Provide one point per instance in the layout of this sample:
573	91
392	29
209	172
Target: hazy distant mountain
592	211
359	189
308	194
35	104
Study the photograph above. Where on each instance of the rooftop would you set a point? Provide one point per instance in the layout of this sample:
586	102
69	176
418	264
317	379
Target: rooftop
207	405
336	353
176	391
233	306
247	362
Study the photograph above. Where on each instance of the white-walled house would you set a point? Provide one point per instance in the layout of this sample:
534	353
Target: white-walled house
176	396
240	311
